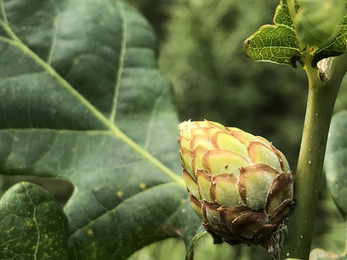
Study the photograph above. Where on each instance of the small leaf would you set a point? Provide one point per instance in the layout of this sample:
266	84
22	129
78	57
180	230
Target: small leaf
279	43
336	161
275	43
335	47
315	25
32	224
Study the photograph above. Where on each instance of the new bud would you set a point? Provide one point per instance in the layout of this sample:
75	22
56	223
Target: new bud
240	185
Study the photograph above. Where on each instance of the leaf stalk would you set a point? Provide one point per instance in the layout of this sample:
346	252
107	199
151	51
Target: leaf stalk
292	11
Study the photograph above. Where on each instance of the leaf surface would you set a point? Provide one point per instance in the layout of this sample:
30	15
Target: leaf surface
81	98
336	161
33	224
275	43
279	42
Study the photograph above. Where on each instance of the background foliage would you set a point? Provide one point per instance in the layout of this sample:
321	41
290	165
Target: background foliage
201	52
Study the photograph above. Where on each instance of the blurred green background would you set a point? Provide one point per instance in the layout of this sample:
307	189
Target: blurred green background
201	52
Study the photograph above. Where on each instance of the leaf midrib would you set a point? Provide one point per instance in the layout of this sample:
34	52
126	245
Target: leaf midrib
112	127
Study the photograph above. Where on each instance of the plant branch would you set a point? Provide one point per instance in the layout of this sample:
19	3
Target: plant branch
320	105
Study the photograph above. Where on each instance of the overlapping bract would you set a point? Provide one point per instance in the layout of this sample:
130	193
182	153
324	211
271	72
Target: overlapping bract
240	185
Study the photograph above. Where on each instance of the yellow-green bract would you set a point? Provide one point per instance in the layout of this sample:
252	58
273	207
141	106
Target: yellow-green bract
240	185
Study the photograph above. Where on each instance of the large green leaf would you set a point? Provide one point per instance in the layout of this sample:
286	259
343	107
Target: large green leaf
33	224
82	99
336	161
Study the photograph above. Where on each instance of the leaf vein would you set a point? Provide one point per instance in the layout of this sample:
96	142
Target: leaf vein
37	225
3	12
9	31
120	64
56	29
116	131
150	125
